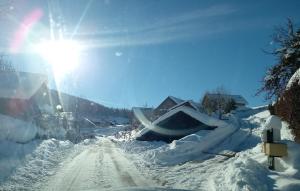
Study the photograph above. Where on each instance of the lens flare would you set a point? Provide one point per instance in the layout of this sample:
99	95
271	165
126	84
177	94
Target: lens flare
62	55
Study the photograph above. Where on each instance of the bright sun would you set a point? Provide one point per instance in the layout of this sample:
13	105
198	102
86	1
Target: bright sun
62	55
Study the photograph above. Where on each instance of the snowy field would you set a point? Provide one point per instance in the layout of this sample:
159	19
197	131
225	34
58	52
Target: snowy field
112	160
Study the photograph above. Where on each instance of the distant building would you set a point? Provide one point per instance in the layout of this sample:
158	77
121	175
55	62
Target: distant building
16	93
168	103
173	119
239	100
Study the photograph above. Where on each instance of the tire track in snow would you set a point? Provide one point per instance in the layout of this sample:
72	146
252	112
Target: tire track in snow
101	166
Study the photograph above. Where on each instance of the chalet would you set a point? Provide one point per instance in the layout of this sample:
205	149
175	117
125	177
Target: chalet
168	103
16	93
239	100
178	118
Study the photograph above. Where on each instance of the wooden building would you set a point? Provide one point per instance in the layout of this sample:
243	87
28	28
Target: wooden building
17	90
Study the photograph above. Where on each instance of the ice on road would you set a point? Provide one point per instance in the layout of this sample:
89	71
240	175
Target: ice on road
102	166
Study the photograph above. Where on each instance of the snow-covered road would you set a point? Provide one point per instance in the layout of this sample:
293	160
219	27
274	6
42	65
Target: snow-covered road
102	166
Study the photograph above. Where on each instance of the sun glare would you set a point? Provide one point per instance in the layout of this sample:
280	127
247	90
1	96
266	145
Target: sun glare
61	55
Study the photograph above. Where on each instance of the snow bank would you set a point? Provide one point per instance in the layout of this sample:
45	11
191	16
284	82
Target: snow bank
293	159
246	112
33	157
32	162
190	147
16	130
259	118
141	147
241	174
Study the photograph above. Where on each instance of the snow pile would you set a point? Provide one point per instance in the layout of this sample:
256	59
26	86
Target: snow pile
141	147
272	123
293	158
16	130
293	79
190	147
32	162
248	170
246	112
241	174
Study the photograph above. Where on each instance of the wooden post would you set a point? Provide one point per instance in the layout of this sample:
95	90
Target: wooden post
271	159
271	162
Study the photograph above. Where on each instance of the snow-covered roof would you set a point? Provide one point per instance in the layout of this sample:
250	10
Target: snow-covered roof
237	98
176	100
20	85
294	78
195	105
207	120
153	126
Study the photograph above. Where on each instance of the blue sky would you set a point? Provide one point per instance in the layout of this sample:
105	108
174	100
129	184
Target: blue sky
138	52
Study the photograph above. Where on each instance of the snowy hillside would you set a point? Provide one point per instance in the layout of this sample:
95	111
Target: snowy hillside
83	107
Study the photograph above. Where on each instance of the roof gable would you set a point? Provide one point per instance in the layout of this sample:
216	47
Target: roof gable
210	121
20	85
175	99
188	103
168	103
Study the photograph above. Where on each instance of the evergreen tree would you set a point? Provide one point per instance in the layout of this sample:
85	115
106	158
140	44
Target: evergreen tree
287	52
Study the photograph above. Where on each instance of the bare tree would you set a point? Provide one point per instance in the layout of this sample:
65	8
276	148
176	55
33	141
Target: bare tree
218	101
6	64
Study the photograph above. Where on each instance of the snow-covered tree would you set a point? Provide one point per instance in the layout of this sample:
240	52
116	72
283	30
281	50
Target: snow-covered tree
287	52
6	64
217	102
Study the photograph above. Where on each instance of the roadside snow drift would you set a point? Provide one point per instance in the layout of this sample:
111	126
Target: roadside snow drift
241	174
27	166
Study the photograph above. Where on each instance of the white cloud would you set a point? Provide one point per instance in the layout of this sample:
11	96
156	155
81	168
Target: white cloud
197	23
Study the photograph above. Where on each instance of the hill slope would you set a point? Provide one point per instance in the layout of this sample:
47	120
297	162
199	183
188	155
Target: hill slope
83	107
